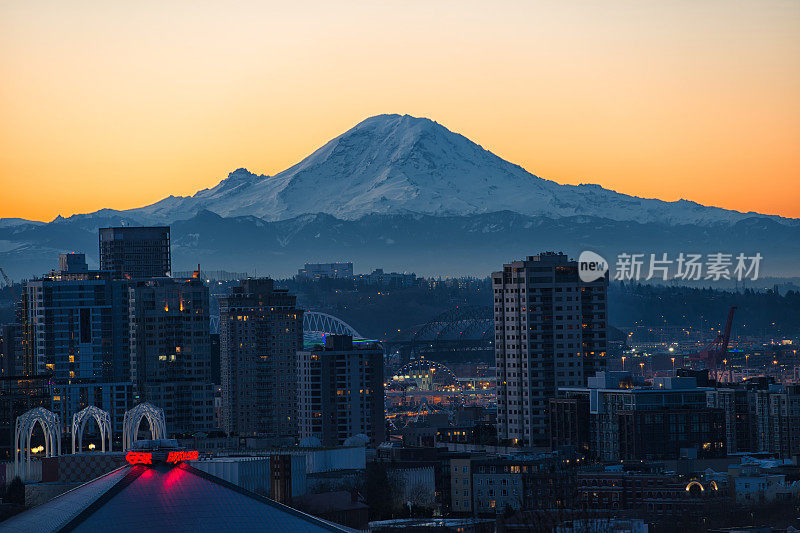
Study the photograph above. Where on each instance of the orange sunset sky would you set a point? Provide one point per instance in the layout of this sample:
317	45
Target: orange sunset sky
119	104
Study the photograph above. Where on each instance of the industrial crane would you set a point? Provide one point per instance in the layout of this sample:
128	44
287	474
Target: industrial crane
715	352
10	285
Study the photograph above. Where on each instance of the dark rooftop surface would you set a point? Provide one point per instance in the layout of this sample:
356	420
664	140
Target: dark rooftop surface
163	498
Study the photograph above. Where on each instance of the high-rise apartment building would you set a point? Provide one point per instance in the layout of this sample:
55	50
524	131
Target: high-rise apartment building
68	317
74	330
737	406
261	331
761	416
170	347
136	252
340	387
776	419
128	334
550	332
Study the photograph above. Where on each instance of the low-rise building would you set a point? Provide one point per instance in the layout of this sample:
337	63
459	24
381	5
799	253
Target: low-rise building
757	482
461	484
315	271
635	421
540	481
643	487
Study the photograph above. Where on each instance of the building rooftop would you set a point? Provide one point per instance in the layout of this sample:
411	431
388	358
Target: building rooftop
163	497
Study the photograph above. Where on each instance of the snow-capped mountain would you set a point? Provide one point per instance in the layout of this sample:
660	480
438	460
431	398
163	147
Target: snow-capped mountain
392	164
406	193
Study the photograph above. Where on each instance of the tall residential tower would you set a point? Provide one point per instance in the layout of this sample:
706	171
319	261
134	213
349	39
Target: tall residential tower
136	252
170	350
260	332
550	332
341	391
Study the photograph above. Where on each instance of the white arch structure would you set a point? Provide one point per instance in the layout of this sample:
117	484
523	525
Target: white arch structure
133	417
79	421
51	427
316	325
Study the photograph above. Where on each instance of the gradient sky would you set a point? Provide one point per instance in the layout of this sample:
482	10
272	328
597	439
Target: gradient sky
118	104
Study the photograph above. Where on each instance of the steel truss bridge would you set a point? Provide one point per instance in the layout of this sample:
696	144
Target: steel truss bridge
462	329
317	325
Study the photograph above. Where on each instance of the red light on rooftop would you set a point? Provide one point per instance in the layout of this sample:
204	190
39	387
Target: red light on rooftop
177	457
148	458
139	458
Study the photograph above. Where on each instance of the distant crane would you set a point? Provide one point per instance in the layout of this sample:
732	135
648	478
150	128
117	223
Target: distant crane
7	281
715	352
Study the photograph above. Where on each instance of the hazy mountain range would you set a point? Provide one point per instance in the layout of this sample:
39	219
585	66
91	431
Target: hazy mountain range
407	194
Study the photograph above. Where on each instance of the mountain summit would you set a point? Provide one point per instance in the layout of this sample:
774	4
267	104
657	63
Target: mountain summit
398	164
406	193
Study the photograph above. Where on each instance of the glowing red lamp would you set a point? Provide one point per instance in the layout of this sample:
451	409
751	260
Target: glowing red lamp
139	458
177	457
148	458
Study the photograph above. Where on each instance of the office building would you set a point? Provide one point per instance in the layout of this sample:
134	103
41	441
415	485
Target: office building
340	387
550	332
170	349
261	331
136	252
326	270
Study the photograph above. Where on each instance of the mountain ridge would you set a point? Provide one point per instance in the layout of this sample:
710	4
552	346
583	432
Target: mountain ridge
398	190
394	164
429	245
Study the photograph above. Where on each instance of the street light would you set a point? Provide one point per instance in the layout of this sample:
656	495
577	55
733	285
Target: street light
623	363
673	365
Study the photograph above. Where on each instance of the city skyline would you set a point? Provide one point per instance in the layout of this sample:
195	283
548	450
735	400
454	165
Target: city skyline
668	101
378	266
